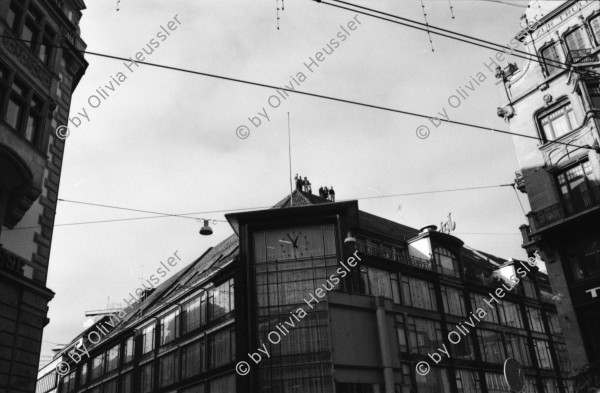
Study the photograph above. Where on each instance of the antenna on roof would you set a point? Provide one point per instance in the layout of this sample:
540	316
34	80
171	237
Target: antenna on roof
290	159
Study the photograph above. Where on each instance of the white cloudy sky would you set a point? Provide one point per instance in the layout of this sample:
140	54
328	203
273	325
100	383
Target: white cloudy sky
165	140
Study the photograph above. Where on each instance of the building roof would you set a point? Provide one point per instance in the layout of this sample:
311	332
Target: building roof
300	198
226	251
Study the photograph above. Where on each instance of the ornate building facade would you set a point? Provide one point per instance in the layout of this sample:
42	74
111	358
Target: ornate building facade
40	66
555	100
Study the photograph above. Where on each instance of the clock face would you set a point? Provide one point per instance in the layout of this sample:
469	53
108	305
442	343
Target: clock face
293	245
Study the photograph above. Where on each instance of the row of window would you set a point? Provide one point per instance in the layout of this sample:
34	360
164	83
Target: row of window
422	336
30	25
575	41
20	107
421	294
209	305
469	381
188	361
223	384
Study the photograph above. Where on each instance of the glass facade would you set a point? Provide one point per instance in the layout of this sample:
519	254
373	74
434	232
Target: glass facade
291	264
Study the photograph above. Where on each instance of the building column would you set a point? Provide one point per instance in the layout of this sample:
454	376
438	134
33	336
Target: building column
384	345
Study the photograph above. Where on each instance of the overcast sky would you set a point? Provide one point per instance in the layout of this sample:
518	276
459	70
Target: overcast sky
166	141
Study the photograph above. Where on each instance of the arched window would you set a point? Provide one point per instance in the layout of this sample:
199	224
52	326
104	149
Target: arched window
446	261
557	121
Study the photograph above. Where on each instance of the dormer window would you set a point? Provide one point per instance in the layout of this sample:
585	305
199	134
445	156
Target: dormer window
557	121
446	261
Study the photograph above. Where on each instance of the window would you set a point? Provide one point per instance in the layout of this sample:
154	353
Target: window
83	373
496	383
479	301
446	261
194	313
595	27
492	348
557	122
530	385
169	327
220	300
584	259
126	383
542	352
594	92
510	314
551	385
381	283
17	106
550	56
422	335
454	301
112	358
529	287
192	359
148	339
535	319
223	384
45	52
111	386
467	381
128	351
167	366
577	40
518	349
221	347
434	382
464	348
97	364
146	378
563	357
418	293
554	325
68	383
23	110
575	190
14	16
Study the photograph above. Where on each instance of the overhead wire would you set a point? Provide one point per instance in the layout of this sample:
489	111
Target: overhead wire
427	28
187	215
330	98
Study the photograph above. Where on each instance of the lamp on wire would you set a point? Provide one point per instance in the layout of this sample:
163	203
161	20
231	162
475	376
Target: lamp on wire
206	229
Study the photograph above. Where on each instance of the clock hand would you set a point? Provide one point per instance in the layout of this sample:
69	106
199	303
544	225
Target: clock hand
293	243
296	242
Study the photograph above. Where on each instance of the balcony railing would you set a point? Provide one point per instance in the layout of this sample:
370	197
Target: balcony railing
386	252
580	56
569	206
393	254
420	263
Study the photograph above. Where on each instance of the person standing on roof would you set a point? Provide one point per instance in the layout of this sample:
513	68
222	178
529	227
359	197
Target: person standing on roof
332	194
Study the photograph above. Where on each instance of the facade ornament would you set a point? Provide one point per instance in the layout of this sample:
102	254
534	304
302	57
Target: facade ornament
507	112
